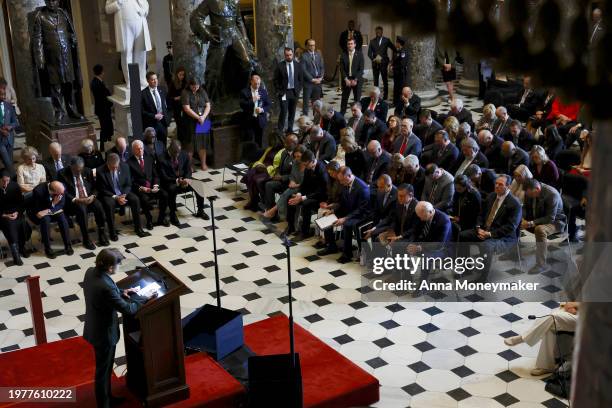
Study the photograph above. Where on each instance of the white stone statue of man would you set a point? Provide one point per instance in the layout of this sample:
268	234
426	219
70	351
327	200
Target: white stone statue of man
131	34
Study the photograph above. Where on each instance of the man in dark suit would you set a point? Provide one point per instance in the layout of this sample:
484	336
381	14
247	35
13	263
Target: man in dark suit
154	108
373	129
153	146
400	220
414	174
56	161
46	206
381	204
80	200
121	148
409	106
470	154
12	222
332	121
501	126
482	178
350	33
357	119
313	191
401	69
314	73
377	163
406	142
354	199
498	223
145	184
8	123
288	81
518	135
491	148
527	101
114	187
322	144
379	55
102	106
376	104
102	301
445	153
515	156
351	72
439	188
255	105
457	110
466	205
427	127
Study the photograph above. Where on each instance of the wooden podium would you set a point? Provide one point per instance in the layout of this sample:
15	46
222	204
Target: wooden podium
153	340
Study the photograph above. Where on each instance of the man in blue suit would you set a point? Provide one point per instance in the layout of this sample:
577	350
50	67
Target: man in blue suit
354	200
8	123
255	105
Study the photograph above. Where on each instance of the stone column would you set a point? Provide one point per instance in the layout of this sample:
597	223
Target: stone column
468	84
24	84
422	66
186	53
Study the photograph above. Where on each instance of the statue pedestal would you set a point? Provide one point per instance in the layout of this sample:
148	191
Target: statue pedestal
69	135
226	145
123	117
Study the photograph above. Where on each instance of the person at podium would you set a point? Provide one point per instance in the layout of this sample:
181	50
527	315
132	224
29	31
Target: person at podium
103	299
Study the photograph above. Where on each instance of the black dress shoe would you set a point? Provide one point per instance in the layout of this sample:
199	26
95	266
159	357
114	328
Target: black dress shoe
114	237
50	253
344	259
103	241
174	221
140	232
319	245
163	223
327	251
89	245
149	225
24	253
69	250
201	214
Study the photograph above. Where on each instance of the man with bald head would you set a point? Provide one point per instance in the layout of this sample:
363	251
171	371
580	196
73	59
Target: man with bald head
56	161
377	163
501	126
122	149
515	156
491	148
47	206
409	106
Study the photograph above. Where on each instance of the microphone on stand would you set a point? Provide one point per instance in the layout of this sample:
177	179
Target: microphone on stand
146	268
533	317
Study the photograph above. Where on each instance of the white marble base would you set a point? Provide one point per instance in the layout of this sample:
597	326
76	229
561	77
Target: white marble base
123	117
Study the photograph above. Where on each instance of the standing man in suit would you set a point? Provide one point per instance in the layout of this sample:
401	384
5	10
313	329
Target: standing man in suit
407	143
102	301
350	34
102	106
56	161
12	222
410	105
154	108
47	206
401	59
439	187
378	54
288	80
332	121
314	72
255	105
376	104
8	123
351	70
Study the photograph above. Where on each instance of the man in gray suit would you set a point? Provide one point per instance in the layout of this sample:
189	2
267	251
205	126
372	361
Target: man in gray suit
407	142
439	187
102	301
314	72
543	215
8	123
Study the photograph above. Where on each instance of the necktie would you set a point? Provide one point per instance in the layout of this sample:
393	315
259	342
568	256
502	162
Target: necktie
434	187
80	188
372	170
492	213
290	67
372	105
426	228
142	168
386	196
116	184
1	113
403	146
350	65
58	165
314	64
525	94
157	100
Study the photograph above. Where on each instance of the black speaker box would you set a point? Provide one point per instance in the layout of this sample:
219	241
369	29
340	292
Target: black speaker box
273	382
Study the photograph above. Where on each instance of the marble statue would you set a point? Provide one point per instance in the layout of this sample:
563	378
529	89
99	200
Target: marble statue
131	34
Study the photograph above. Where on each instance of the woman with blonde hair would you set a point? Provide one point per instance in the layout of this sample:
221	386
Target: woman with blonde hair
451	125
543	169
521	175
354	157
487	119
29	173
91	157
393	130
396	169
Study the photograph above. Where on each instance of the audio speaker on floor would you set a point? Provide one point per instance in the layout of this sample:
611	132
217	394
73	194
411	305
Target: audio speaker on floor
275	382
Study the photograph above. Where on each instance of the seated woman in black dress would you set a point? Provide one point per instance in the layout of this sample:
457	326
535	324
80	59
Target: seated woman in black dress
92	158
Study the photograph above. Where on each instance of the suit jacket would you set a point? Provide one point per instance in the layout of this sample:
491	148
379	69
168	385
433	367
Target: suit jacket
548	175
248	107
414	145
140	177
49	165
334	125
126	154
357	162
67	178
442	196
354	203
494	155
41	200
487	181
439	229
102	106
400	219
12	199
507	219
104	180
518	157
525	140
412	110
417	181
545	209
501	127
10	121
356	36
312	67
102	302
466	206
375	167
379	46
374	131
480	160
325	148
427	132
149	111
357	67
167	172
532	101
314	184
381	109
357	127
445	157
464	116
281	78
379	210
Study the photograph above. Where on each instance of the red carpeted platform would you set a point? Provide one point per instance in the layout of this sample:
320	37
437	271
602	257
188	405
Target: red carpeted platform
329	378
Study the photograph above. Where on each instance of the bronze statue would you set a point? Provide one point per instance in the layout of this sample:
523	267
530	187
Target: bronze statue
225	32
54	49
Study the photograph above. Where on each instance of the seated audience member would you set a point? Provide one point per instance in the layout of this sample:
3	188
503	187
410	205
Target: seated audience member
354	156
175	174
470	154
354	198
91	157
295	179
332	122
373	129
458	111
414	174
463	132
381	205
257	174
153	147
304	124
56	161
543	215
563	115
584	168
497	224
396	169
427	127
439	187
81	200
312	192
400	219
543	169
334	189
553	143
515	156
483	179
145	184
121	148
518	135
393	131
546	329
451	125
322	144
517	188
377	163
585	122
410	105
539	120
444	153
114	187
29	173
491	148
407	142
317	109
528	102
487	119
466	205
575	191
376	104
45	207
501	126
279	173
12	221
357	119
7	130
196	108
